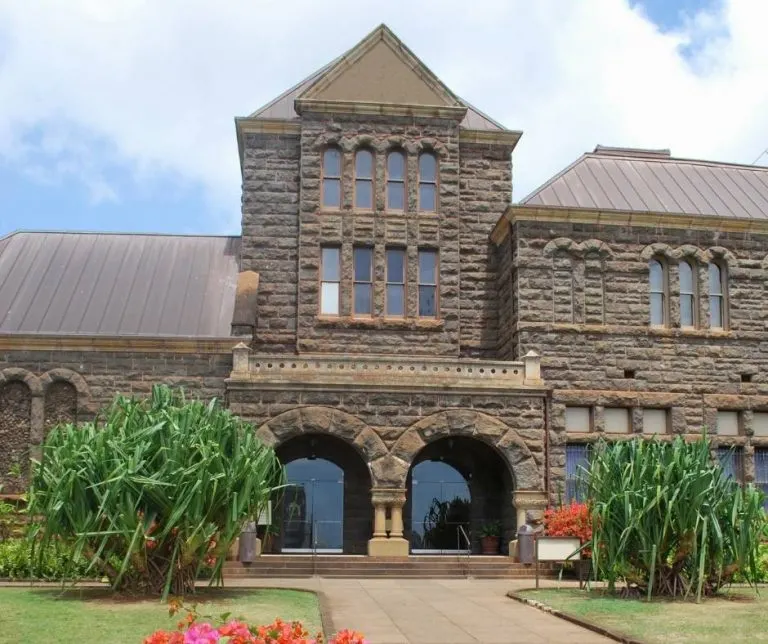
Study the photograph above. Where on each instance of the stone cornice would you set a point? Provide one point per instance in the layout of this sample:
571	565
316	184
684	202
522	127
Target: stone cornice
37	342
247	125
451	112
507	138
623	218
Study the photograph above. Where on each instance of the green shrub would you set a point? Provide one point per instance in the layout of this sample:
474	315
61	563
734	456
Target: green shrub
56	563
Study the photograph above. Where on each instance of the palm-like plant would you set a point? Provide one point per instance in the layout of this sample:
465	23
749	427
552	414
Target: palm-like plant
667	520
154	492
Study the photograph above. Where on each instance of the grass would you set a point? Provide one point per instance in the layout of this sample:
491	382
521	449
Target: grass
91	615
733	616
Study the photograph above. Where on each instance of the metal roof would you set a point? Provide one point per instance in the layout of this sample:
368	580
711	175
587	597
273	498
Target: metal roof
117	284
654	181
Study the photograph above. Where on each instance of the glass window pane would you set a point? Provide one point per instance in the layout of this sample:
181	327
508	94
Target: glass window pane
617	420
657	308
576	462
427	303
395	265
760	423
732	462
427	197
362	257
686	277
363	300
578	419
395	299
728	423
654	421
363	164
396	165
329	298
716	312
427	267
686	310
656	276
330	261
395	195
363	194
715	281
332	192
332	163
428	168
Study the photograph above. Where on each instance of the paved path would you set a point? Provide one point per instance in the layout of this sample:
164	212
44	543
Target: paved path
436	611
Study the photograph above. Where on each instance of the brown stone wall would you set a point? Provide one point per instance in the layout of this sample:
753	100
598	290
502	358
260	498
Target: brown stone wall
15	426
609	356
486	190
270	234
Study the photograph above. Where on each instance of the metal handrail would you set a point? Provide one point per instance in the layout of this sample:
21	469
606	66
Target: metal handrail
459	533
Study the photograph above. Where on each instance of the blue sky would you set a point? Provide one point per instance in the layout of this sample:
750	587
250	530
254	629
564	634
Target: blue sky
119	116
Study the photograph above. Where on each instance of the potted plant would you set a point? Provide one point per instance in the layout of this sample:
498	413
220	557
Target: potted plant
490	538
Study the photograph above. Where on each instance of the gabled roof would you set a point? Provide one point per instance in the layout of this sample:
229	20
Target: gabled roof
626	179
117	284
365	73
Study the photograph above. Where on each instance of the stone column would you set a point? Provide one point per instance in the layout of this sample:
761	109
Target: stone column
525	502
392	545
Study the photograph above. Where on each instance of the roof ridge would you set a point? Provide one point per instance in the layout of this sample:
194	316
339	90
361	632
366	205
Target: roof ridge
671	159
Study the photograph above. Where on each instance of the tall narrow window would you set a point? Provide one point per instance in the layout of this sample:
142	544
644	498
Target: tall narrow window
576	464
396	181
687	294
427	283
332	178
731	459
761	472
395	305
658	289
428	182
363	282
716	297
330	271
364	179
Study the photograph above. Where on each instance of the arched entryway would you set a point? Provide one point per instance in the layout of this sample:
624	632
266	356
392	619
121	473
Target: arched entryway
326	504
456	487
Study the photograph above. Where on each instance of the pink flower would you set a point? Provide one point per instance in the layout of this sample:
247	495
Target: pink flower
201	634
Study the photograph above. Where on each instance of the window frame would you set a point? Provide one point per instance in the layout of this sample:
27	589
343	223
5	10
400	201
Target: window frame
667	414
626	412
403	181
322	281
590	419
356	282
738	461
324	176
693	294
723	295
664	292
387	282
761	472
571	478
436	285
370	180
434	183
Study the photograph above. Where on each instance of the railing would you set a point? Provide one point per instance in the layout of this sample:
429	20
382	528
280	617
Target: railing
460	532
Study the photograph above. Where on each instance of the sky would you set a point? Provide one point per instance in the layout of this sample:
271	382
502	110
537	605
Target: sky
119	116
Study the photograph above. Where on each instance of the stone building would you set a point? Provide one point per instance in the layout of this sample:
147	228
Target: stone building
427	358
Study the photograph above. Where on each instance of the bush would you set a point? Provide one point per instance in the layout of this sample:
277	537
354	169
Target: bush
17	561
666	520
162	484
572	520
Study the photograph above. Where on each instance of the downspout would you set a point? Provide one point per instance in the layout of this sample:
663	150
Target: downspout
547	403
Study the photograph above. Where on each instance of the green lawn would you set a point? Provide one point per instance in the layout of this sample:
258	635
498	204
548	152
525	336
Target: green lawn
736	616
92	615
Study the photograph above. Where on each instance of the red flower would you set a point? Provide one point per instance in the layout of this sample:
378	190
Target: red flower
572	520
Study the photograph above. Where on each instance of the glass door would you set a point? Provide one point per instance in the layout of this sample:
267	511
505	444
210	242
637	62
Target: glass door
440	504
313	507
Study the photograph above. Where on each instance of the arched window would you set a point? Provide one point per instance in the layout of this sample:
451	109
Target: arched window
364	179
717	313
396	180
688	299
428	182
657	282
332	178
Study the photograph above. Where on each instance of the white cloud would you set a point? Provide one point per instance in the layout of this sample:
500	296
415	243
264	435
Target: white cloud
152	87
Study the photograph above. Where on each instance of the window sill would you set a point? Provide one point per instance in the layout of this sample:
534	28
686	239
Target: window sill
355	322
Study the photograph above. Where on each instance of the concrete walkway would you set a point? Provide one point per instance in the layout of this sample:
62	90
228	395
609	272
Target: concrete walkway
435	611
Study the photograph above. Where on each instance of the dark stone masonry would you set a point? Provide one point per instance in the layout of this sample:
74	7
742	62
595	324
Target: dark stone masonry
402	430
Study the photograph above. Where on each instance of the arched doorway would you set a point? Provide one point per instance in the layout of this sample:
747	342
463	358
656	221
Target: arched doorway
326	504
457	486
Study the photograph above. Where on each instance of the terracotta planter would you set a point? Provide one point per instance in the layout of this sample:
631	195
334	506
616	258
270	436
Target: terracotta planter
490	545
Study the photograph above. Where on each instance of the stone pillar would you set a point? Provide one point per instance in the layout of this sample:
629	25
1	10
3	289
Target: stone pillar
529	504
532	368
392	545
240	355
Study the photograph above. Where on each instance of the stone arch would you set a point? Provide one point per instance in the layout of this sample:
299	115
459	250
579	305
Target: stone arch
27	377
655	250
689	251
392	469
714	253
323	420
595	246
560	244
66	397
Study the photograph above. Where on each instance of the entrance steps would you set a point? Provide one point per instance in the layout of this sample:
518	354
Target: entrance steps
358	566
